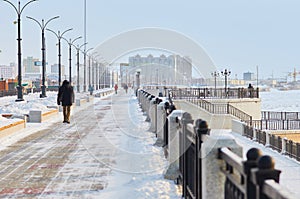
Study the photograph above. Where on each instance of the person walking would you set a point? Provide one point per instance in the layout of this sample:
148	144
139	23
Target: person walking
116	88
126	88
65	98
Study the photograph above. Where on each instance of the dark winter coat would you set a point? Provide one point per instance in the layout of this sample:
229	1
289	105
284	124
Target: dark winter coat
65	95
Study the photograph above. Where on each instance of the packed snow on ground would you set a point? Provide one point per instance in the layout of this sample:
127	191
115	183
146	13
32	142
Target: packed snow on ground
152	184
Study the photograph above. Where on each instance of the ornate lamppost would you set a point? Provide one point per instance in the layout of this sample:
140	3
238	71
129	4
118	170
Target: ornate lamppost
78	49
43	26
225	73
59	37
70	43
19	11
84	67
215	75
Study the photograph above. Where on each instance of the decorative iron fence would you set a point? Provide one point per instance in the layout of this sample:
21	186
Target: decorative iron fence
271	115
183	93
276	124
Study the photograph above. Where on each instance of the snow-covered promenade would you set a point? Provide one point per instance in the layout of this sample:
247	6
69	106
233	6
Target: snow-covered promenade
106	152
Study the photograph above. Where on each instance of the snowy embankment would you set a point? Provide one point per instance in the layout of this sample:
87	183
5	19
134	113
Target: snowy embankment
32	101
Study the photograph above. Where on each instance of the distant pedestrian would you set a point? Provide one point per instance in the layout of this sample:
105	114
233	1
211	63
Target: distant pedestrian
65	98
91	89
126	88
116	88
250	90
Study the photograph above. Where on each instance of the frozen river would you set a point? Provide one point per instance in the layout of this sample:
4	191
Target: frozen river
276	100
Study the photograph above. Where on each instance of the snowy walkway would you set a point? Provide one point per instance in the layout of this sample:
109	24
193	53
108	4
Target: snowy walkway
106	152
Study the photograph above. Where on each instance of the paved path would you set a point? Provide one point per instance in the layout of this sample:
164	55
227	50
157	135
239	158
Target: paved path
51	162
106	152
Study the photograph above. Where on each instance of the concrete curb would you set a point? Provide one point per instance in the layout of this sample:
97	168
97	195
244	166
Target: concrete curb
11	128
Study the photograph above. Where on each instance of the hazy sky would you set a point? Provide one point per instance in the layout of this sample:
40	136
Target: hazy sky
237	34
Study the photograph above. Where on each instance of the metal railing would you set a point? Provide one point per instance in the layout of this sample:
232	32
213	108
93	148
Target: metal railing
273	115
222	108
276	142
182	93
274	124
190	165
254	178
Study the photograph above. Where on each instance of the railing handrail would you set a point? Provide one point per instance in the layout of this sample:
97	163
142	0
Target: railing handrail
219	93
275	190
279	115
232	159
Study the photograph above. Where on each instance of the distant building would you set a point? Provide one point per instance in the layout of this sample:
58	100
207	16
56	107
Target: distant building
172	69
54	69
32	68
248	76
7	72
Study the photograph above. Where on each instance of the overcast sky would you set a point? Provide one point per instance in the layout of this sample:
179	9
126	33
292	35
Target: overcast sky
237	34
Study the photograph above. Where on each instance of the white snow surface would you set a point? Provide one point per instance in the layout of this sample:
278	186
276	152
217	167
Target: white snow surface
148	181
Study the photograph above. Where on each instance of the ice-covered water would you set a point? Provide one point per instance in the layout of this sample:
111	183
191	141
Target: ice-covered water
275	100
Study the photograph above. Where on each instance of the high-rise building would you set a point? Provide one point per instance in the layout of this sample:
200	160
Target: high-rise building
54	69
32	67
248	76
172	69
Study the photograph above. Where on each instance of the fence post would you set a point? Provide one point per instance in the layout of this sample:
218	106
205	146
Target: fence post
153	114
265	171
186	119
213	179
298	151
254	134
283	147
161	119
267	139
201	129
172	172
252	156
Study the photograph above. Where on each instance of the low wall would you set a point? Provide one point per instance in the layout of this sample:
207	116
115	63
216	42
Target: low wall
238	126
49	114
215	121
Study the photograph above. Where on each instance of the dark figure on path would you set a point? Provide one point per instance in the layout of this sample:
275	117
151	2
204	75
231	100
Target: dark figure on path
116	88
65	98
250	90
126	88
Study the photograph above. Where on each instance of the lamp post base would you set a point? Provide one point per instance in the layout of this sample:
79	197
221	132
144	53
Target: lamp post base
19	100
20	94
43	94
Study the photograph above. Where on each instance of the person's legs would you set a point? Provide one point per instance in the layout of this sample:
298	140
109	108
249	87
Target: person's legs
65	113
68	113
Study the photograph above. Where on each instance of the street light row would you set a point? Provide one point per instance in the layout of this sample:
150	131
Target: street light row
224	73
59	36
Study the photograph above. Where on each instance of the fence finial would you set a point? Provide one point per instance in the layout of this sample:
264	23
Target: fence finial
266	162
253	154
201	127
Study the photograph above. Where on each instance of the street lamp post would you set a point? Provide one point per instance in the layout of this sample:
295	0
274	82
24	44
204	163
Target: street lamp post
226	73
70	43
59	37
215	75
19	11
84	68
91	60
78	49
43	26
